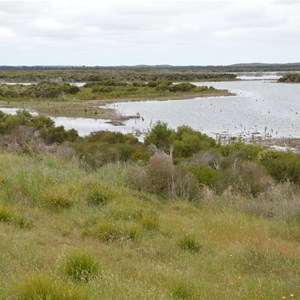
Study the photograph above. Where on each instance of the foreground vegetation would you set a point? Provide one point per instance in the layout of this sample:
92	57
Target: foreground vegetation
177	217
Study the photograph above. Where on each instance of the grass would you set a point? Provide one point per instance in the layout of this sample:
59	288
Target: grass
40	286
81	266
147	248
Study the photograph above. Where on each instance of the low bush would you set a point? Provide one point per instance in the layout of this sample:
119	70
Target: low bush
206	175
283	166
161	177
247	178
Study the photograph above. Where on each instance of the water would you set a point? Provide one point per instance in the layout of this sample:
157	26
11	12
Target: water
261	107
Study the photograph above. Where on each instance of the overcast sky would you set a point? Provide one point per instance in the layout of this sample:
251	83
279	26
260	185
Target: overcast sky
131	32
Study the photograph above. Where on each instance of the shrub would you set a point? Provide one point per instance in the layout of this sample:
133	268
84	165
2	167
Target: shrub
182	87
206	175
161	177
283	166
81	266
246	178
187	142
35	287
161	136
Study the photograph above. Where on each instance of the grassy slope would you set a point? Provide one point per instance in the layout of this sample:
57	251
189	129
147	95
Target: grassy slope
241	256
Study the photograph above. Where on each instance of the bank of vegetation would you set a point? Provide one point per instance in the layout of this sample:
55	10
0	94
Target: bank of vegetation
290	78
176	217
66	100
94	74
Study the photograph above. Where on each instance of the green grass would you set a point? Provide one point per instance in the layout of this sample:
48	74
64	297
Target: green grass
38	287
144	247
81	266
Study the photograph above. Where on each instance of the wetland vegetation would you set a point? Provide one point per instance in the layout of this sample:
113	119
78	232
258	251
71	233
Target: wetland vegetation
176	217
105	216
290	78
66	100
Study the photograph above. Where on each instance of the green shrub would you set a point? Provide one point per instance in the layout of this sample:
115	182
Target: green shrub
161	136
206	175
38	287
81	266
182	87
283	166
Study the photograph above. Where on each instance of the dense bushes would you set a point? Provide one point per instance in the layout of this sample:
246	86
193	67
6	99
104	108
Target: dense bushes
43	89
283	166
126	74
290	78
104	147
156	88
182	160
184	141
38	127
161	177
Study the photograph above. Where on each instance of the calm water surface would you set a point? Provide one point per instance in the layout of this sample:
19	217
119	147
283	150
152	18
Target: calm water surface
261	107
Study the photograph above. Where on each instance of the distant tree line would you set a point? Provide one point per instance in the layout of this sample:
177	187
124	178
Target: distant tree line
84	75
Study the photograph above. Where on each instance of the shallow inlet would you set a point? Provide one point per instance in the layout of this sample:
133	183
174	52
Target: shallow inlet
261	108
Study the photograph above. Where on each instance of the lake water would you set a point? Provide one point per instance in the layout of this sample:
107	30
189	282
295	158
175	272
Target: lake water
260	107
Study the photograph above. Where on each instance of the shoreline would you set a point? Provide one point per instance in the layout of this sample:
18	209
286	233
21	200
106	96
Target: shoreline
95	109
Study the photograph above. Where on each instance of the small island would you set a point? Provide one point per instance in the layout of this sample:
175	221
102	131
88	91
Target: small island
290	78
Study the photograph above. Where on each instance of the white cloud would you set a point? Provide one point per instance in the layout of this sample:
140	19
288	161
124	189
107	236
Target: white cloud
148	32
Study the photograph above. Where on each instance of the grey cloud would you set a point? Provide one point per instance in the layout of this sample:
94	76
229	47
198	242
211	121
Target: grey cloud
133	32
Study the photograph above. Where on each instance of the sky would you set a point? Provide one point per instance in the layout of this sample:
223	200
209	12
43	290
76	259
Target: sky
115	32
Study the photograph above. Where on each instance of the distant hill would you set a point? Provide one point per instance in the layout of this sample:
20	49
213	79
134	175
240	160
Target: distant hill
165	68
